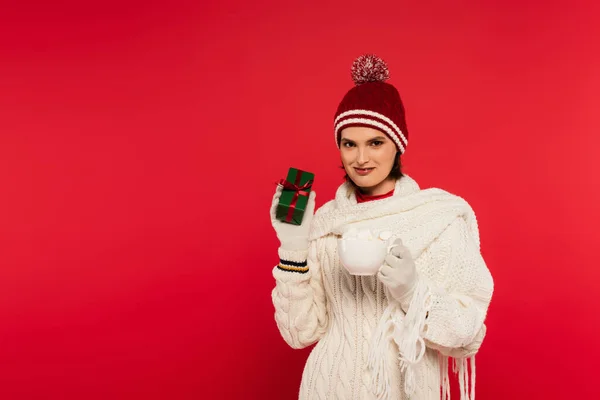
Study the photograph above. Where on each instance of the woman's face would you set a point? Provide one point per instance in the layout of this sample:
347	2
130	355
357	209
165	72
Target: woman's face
368	157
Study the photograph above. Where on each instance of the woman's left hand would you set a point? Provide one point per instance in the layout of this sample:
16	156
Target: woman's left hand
399	273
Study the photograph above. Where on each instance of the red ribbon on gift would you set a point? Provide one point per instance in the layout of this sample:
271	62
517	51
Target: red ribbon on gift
299	191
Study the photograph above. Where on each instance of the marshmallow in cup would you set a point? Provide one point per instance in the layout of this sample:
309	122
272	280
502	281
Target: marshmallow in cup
362	253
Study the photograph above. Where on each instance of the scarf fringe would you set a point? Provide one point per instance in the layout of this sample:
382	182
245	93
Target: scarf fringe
405	331
378	353
411	344
460	366
444	379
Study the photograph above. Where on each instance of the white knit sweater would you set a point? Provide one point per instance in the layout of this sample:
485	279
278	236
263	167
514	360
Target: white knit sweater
369	346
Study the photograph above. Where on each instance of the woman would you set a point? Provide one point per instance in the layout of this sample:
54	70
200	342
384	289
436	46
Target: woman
387	336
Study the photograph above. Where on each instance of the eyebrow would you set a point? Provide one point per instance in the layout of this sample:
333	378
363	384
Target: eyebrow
370	140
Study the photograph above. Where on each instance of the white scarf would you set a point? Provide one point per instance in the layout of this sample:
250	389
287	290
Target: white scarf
418	217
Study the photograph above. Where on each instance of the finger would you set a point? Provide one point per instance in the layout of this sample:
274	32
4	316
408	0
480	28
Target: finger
278	191
275	200
391	260
397	250
274	203
398	242
385	270
310	206
383	276
401	252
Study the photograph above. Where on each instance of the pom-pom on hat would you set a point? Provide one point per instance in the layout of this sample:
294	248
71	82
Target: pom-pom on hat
372	102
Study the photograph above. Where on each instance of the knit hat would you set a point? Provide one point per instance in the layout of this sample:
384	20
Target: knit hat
372	102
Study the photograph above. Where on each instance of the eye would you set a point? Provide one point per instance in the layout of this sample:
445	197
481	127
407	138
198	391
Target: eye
348	144
377	142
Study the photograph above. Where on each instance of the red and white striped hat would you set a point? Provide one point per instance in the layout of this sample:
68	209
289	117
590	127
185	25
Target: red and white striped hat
372	102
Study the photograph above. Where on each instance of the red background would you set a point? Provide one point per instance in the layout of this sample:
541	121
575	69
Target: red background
140	143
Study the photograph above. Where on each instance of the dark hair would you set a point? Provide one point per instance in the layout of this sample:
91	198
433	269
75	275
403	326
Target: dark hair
395	173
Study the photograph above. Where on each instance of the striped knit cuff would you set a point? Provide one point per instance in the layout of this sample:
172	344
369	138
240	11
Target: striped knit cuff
293	260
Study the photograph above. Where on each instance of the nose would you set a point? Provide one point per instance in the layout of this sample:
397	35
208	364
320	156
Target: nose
363	156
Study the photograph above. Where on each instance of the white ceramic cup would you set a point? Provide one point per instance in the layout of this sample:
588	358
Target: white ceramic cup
363	257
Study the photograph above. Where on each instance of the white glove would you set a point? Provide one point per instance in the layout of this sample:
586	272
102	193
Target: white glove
293	237
399	273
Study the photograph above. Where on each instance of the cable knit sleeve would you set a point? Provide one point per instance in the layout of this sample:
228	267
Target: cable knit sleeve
457	304
299	297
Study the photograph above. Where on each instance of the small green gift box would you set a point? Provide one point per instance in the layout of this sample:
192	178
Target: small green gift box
294	197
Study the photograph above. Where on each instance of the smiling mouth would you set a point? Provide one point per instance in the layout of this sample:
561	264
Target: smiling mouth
363	171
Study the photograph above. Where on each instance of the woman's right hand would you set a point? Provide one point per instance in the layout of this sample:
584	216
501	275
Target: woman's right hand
293	237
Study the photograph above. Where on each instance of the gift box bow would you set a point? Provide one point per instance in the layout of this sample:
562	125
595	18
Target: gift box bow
301	190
